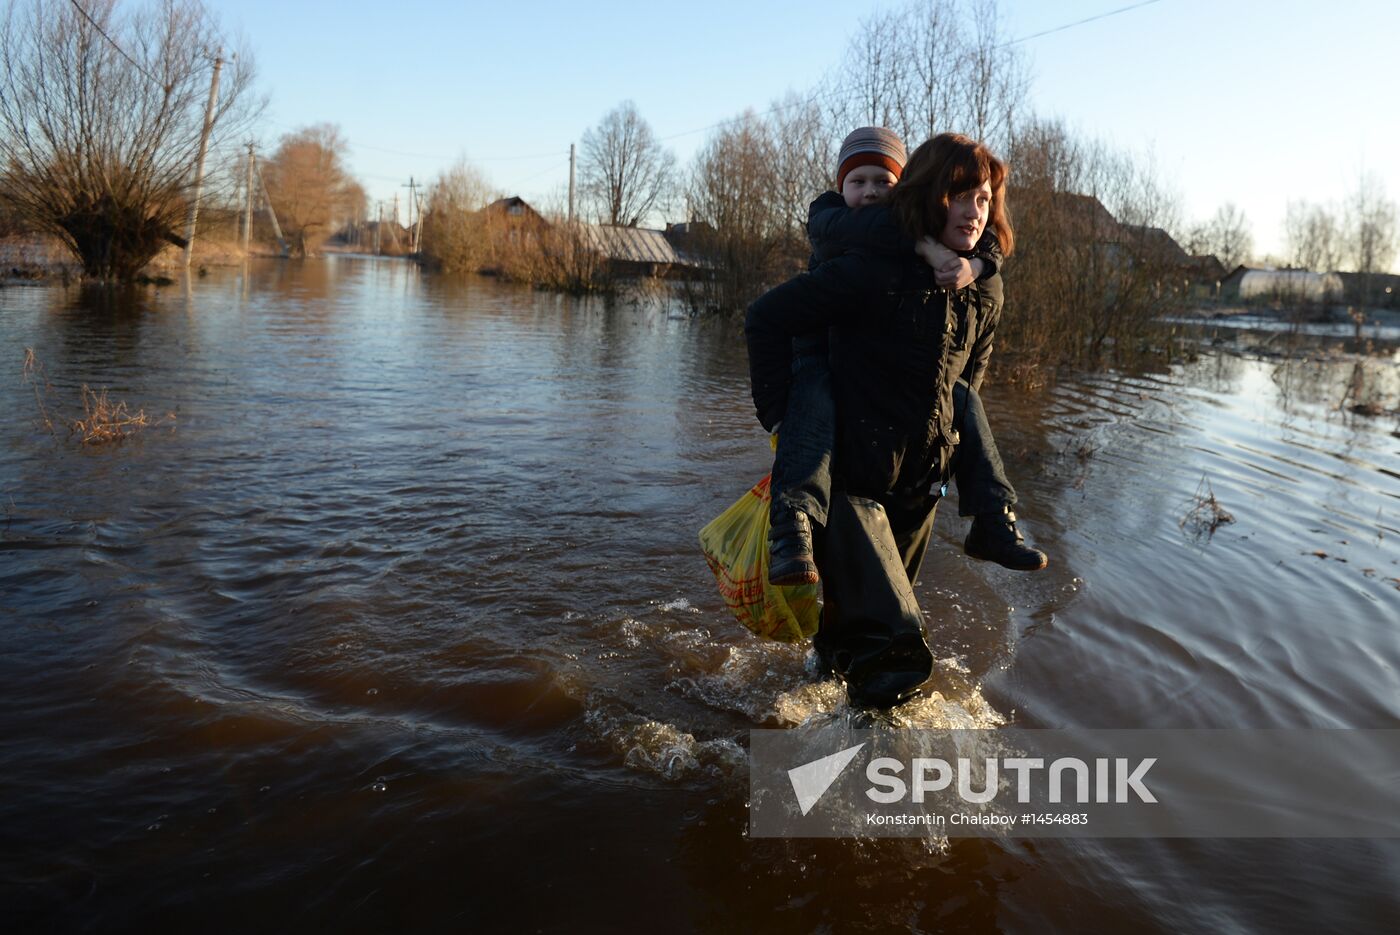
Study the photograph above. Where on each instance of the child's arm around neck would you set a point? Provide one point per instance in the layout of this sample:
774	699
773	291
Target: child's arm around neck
833	229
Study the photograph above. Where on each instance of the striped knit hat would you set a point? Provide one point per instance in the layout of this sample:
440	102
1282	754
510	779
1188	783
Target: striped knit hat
870	146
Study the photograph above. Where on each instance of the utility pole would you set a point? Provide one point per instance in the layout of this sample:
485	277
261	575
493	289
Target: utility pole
378	227
248	202
418	231
571	181
271	212
203	151
412	202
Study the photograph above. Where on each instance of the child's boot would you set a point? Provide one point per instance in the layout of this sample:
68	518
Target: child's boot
790	548
995	538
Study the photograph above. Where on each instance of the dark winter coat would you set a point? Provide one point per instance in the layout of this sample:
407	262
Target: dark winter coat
834	229
898	344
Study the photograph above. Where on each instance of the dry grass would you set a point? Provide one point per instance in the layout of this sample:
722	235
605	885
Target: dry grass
34	374
103	420
1205	515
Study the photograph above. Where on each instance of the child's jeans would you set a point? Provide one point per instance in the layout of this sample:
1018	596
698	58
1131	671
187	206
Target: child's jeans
976	464
802	465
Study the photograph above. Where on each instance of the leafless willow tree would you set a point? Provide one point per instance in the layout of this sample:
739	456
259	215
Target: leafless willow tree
309	186
99	134
626	173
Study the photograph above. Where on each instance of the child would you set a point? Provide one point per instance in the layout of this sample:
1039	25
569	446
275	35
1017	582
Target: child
869	165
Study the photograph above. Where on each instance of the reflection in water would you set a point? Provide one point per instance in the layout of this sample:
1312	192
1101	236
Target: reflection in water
409	608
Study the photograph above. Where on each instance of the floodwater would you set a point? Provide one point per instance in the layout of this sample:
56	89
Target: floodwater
400	623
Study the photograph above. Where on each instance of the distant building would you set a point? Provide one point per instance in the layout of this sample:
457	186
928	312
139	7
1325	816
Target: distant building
1155	244
1083	218
691	240
1207	268
628	251
515	216
1371	290
1248	284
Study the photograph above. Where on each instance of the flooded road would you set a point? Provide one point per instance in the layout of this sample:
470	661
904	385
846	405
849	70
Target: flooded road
401	623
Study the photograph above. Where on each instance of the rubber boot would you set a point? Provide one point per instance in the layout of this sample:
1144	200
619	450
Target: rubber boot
871	634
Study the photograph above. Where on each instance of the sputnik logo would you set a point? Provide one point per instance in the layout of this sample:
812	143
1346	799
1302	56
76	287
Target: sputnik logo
811	780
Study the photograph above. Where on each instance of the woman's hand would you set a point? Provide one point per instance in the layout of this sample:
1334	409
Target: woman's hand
949	270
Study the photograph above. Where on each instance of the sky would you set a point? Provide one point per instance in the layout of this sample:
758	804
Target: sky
1255	102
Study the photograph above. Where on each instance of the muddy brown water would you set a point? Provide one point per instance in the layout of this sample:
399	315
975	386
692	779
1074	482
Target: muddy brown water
400	624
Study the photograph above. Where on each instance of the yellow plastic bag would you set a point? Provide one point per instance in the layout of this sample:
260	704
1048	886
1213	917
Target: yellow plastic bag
735	544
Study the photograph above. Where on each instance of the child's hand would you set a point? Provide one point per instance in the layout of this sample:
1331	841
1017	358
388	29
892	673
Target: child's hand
949	270
933	252
956	274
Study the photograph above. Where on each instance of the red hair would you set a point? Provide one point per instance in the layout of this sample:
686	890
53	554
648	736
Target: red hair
942	167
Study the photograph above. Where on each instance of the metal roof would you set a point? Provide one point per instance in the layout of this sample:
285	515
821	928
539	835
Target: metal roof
630	244
1298	282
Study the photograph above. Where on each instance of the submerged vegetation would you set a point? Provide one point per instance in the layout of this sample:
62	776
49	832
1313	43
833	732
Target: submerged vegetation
1205	514
103	421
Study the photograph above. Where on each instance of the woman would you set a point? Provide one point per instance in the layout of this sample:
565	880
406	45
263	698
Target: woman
899	343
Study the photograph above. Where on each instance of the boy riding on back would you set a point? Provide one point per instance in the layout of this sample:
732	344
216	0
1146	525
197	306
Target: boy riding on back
870	163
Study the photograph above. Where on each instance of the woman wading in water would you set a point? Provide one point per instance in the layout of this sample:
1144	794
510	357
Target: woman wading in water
899	343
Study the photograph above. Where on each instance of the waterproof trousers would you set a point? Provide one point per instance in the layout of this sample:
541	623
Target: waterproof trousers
871	632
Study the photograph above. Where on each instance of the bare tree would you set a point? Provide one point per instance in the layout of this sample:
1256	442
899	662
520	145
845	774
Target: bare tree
1313	236
309	187
935	38
1195	239
933	66
1093	267
740	212
626	172
805	149
995	79
1228	236
873	72
100	122
1370	226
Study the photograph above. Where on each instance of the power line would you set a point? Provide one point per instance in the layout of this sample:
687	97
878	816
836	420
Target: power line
538	174
399	152
808	99
1081	22
817	95
394	152
79	7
